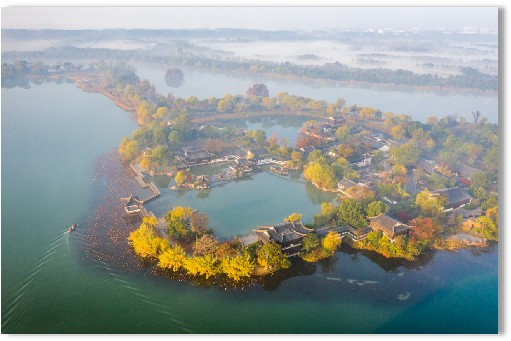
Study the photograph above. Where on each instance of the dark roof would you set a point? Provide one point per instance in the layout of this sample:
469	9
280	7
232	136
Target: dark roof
308	150
283	232
373	143
465	170
344	184
455	194
388	223
259	152
196	154
131	200
428	166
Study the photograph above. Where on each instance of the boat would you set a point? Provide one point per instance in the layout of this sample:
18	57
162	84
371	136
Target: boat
73	227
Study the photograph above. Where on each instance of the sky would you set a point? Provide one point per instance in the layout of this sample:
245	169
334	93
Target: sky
262	18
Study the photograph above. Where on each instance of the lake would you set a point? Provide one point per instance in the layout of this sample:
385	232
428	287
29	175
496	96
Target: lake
58	145
419	105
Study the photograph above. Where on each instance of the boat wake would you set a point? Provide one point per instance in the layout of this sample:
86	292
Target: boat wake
24	296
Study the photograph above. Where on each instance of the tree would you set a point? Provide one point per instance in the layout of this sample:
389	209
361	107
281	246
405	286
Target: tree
205	266
206	245
403	216
491	160
161	155
259	136
237	266
433	120
377	156
172	258
145	242
270	256
425	230
198	222
377	207
269	103
482	179
367	112
399	170
431	204
273	138
431	144
310	241
161	113
293	217
332	241
131	150
340	103
476	115
343	133
159	134
331	110
146	163
406	154
398	132
315	155
180	177
353	213
346	150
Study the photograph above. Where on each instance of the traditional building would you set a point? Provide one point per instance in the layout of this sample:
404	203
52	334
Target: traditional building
336	120
195	157
388	225
203	182
376	145
243	165
344	185
465	170
258	152
288	235
132	204
458	197
427	166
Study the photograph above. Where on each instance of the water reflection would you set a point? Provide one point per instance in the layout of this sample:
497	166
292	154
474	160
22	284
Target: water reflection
317	196
174	82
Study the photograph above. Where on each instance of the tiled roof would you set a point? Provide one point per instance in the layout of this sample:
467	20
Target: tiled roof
428	166
282	232
388	223
344	184
465	170
455	194
196	154
131	200
373	143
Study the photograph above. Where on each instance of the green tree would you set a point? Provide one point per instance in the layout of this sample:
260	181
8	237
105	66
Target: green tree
343	133
270	256
491	160
482	179
160	155
431	204
406	154
377	207
175	138
353	213
377	157
259	136
310	241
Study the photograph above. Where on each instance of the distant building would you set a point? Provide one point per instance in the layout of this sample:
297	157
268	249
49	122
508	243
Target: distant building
458	197
243	165
288	235
465	170
195	157
389	226
132	204
336	120
203	182
344	185
427	166
377	145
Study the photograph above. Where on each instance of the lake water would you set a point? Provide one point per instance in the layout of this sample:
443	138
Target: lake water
52	137
419	105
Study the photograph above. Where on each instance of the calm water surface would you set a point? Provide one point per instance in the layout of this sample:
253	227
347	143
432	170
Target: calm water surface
419	105
51	137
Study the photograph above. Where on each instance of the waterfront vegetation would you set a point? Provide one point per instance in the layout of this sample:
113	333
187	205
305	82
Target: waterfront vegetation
166	125
470	78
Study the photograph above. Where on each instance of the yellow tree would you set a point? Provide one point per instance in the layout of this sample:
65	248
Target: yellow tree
398	132
332	241
432	120
331	110
367	112
146	163
172	258
293	217
345	111
180	177
431	144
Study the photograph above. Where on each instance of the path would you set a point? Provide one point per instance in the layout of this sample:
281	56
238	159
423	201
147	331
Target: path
411	187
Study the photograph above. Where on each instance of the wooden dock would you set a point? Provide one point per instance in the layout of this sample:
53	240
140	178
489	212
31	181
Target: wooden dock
143	184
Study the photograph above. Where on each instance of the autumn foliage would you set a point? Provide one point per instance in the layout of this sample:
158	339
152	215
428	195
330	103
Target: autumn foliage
258	90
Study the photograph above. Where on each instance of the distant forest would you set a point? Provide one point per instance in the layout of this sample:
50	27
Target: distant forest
470	77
